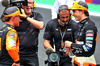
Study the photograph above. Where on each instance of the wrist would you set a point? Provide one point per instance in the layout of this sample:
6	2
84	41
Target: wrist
17	62
26	17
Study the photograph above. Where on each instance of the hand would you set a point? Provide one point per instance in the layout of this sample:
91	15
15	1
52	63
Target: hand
53	49
66	54
15	64
23	13
68	50
68	44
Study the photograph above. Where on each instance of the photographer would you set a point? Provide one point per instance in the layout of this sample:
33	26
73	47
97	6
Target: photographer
28	32
61	29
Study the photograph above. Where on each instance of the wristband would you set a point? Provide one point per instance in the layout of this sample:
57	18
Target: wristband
26	17
17	62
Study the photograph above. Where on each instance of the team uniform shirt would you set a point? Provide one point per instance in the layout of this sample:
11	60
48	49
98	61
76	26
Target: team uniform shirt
9	45
52	31
69	32
86	40
58	3
28	36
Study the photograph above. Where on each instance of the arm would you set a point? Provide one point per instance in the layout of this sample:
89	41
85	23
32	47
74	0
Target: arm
35	23
48	36
46	44
90	41
12	44
39	24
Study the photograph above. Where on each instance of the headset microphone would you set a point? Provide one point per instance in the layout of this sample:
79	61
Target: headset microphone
31	8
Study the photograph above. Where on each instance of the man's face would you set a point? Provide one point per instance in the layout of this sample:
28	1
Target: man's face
29	7
77	14
64	16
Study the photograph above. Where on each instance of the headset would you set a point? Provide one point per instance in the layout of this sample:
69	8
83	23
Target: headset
63	7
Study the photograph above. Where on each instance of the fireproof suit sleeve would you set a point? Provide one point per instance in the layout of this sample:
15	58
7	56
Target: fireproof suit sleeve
12	44
91	35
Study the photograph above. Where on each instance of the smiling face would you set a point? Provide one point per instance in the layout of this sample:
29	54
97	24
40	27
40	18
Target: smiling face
77	14
64	16
28	8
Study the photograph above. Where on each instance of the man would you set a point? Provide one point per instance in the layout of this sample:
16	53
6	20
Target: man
28	35
9	40
58	3
61	29
87	35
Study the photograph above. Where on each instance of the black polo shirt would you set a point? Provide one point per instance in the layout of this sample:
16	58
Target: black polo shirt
52	31
28	35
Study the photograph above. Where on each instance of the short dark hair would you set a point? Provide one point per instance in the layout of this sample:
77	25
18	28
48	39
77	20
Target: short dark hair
6	19
62	7
85	12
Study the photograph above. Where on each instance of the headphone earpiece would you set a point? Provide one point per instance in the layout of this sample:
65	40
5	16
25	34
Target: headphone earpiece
34	4
58	16
69	13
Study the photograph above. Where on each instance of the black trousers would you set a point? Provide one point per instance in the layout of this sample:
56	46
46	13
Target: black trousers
29	60
65	61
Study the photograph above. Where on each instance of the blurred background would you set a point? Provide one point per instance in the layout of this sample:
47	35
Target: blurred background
44	7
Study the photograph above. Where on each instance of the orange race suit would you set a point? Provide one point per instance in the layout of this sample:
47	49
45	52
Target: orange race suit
9	45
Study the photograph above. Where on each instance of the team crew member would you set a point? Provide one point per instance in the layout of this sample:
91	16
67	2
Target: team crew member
28	32
9	40
61	29
87	35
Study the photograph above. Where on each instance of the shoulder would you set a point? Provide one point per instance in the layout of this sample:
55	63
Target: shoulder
73	23
53	21
12	31
89	23
37	16
36	13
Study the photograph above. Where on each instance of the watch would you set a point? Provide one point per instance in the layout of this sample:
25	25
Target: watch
26	17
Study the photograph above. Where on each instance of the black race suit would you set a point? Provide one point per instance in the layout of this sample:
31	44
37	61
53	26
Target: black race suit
52	31
87	37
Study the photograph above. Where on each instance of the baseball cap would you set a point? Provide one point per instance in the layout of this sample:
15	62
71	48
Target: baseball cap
13	11
79	5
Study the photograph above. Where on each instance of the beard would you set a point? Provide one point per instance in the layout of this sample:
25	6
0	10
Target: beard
64	22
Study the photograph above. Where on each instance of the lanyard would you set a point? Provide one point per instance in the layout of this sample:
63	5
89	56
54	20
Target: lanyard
62	36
